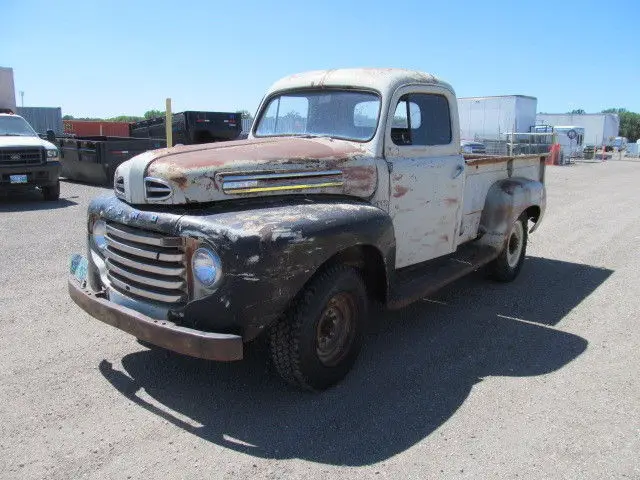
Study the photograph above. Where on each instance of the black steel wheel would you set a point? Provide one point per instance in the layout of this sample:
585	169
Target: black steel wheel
315	344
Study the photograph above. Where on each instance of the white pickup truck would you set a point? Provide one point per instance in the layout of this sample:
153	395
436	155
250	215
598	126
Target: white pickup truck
350	187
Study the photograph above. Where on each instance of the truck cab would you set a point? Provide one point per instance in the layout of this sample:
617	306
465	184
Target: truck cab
26	160
350	188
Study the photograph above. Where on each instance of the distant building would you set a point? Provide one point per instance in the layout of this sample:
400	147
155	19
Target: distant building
599	128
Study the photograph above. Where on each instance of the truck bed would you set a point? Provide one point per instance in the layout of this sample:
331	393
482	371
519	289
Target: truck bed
482	171
94	159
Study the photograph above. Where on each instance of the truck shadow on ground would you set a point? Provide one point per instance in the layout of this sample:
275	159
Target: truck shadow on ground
417	368
32	201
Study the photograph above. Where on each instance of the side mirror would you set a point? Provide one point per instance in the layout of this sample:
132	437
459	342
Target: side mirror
51	136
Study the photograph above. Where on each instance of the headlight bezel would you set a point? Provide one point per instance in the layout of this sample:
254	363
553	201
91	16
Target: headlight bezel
99	240
53	154
205	253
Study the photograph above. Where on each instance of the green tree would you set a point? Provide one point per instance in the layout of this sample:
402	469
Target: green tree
629	123
578	111
68	117
125	118
245	114
153	114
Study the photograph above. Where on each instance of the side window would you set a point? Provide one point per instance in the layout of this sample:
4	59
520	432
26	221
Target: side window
421	119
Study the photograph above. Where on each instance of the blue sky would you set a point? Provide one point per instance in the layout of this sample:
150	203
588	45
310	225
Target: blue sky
125	57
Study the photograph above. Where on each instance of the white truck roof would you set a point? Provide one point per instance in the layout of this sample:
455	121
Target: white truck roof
380	79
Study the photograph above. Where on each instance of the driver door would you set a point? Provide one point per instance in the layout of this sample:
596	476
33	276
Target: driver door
427	174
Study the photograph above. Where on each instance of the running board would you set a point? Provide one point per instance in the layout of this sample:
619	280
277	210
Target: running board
414	283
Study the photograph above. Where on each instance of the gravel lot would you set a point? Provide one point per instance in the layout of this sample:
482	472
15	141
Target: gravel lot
535	379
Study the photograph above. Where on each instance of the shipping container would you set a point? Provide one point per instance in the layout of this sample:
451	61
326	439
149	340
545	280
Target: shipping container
490	118
43	118
88	128
7	90
599	128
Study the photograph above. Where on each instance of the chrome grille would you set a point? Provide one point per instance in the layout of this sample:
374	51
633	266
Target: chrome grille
157	189
21	156
146	264
118	186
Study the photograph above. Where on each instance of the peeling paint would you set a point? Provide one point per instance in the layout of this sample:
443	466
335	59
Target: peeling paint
400	191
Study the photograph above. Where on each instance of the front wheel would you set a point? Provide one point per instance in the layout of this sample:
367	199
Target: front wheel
315	344
507	266
51	192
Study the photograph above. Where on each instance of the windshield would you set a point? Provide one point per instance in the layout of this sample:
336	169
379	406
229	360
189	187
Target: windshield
15	126
327	113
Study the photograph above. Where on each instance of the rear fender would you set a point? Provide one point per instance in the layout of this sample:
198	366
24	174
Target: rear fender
506	201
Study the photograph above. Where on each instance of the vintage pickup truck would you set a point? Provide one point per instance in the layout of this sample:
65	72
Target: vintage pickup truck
351	188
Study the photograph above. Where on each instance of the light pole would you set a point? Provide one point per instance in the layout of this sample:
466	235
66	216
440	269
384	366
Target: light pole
22	98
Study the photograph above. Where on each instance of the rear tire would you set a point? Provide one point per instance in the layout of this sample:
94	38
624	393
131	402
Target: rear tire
507	266
316	342
51	193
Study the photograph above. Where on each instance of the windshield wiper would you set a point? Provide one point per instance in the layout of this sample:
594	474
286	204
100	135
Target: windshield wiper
11	135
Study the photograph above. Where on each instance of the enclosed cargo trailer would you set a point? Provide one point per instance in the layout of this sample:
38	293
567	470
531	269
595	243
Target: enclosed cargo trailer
7	91
489	118
599	128
43	119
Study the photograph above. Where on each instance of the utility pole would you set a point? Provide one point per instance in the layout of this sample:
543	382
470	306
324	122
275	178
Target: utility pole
22	98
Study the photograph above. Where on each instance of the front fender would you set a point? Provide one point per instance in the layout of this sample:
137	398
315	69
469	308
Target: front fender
270	250
505	202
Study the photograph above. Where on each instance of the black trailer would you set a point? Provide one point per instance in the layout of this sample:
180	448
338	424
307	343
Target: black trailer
95	159
192	127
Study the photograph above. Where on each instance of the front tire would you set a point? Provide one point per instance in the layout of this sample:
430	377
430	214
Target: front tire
51	193
507	266
315	344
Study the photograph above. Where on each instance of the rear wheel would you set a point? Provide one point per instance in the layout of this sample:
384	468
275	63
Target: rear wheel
51	192
507	266
315	344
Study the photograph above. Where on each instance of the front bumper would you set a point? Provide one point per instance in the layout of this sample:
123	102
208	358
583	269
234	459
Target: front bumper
163	333
37	175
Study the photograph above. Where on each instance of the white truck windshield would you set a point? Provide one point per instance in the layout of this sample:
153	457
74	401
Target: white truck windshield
348	115
15	126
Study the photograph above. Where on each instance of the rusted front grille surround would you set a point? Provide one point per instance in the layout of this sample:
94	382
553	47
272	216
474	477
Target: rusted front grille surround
146	265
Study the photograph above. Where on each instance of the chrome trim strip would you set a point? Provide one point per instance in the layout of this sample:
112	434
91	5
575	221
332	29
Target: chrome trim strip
139	252
281	188
277	176
168	271
168	284
161	297
142	236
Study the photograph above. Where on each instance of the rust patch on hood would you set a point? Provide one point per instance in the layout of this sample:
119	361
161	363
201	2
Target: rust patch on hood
400	191
196	171
256	151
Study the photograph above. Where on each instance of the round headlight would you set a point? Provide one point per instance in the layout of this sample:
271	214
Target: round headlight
98	233
207	268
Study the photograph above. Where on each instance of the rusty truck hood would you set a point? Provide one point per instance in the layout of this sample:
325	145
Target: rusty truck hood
246	168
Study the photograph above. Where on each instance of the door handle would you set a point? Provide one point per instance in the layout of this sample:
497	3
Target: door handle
458	171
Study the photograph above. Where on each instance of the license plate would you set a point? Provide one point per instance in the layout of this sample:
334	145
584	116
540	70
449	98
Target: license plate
18	178
78	267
